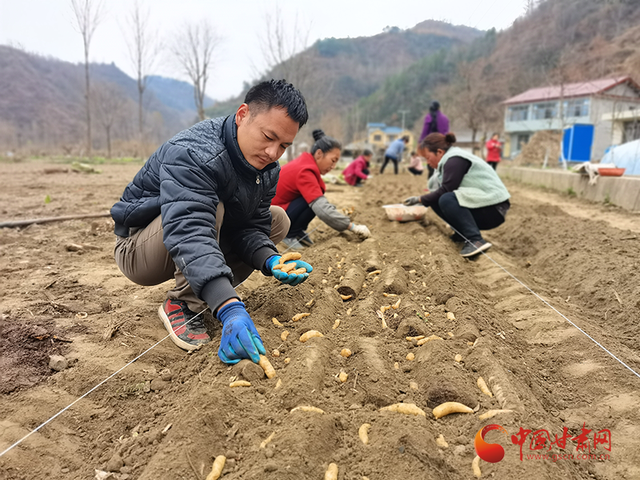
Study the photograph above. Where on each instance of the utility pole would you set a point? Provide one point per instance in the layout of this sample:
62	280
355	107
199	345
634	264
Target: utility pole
403	112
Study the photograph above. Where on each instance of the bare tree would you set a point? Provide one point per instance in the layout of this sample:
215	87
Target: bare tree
283	49
143	52
193	49
109	101
87	15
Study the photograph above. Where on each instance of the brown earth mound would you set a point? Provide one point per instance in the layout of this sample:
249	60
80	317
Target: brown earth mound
168	414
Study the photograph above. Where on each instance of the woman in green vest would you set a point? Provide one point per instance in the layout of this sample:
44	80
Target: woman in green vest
471	197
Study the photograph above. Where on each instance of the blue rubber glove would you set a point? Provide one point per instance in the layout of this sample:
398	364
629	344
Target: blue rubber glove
289	278
240	339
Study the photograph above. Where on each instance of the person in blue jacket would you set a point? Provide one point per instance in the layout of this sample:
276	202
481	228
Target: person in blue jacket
200	211
394	153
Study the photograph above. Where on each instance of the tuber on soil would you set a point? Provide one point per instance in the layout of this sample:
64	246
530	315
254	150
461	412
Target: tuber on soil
240	383
216	469
416	338
363	433
450	316
266	441
310	334
299	316
410	356
476	467
343	377
306	408
482	385
345	352
336	324
441	442
269	371
346	297
284	335
406	408
458	358
428	339
492	413
450	407
276	322
332	472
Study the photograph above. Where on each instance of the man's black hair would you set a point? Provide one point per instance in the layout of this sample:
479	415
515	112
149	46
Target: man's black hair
281	94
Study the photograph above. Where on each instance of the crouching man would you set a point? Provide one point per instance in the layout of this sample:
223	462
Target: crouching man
200	211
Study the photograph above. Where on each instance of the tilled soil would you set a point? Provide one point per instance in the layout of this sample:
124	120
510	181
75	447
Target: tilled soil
512	316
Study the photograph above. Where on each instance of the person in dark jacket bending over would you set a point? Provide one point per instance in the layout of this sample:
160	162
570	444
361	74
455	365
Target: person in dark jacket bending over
471	197
200	211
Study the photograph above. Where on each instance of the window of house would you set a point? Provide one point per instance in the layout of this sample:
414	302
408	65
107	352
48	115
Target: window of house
546	110
576	108
377	138
631	131
520	113
521	140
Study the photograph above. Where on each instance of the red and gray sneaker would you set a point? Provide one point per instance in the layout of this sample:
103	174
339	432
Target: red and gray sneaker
185	327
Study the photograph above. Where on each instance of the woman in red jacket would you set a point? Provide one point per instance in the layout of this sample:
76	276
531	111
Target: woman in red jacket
358	170
494	150
300	192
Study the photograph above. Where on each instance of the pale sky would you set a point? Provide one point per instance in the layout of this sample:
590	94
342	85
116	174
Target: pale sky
46	27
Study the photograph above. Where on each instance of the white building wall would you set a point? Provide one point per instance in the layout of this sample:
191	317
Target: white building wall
606	132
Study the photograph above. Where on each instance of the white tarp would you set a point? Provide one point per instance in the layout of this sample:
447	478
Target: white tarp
625	156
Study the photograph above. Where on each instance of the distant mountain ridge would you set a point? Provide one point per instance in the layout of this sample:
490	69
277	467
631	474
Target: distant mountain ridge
174	93
335	73
42	101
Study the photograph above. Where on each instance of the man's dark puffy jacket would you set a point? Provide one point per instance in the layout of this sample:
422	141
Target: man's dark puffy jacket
183	181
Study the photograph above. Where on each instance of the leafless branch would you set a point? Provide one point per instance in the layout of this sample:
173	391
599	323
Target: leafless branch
193	49
144	48
87	15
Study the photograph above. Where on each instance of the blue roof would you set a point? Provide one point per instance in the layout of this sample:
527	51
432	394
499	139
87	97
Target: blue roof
376	125
392	130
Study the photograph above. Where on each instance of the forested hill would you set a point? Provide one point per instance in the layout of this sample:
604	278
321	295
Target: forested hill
335	73
372	79
557	41
42	102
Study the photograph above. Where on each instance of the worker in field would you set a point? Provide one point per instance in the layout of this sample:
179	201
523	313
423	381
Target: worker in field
494	150
471	197
358	171
393	153
200	211
301	193
434	122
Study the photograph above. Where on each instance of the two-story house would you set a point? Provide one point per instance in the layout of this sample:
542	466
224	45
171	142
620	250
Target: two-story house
598	103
